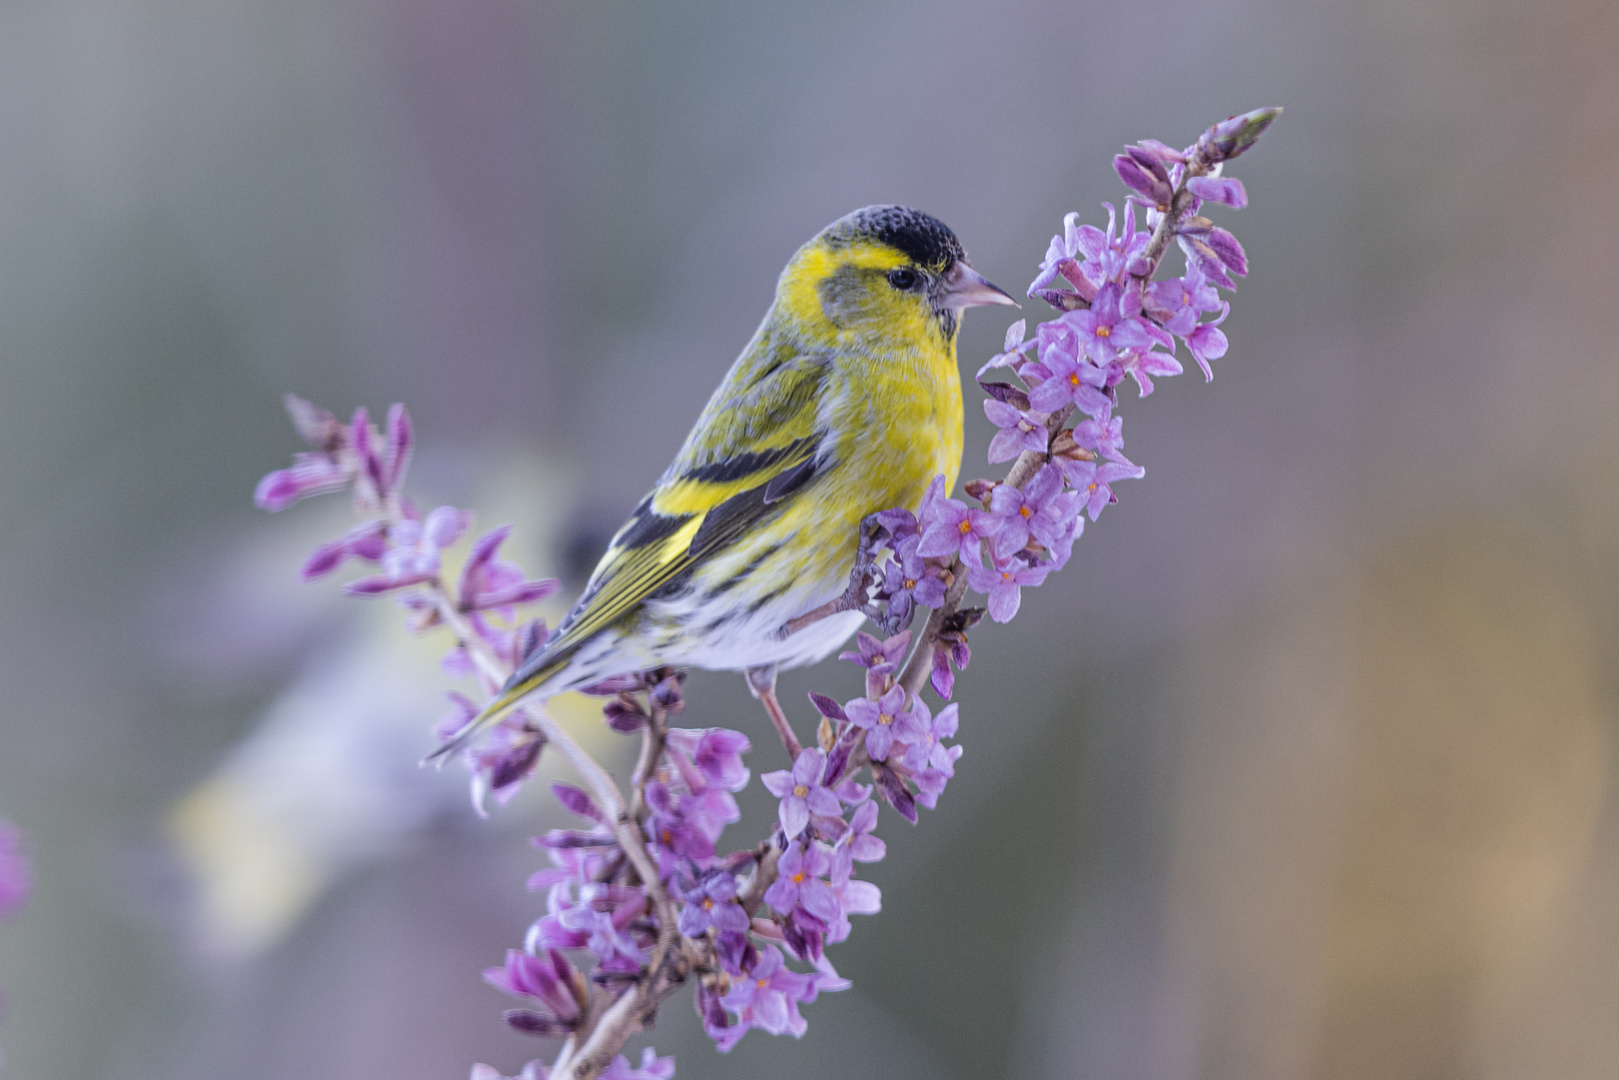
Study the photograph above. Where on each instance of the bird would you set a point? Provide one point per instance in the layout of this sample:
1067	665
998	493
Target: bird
845	402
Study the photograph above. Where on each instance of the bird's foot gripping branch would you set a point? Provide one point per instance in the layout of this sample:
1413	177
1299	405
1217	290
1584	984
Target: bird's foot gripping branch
641	898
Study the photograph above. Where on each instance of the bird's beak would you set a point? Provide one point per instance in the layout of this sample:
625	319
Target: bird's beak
963	287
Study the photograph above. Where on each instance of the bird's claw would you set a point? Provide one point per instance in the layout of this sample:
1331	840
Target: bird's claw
888	617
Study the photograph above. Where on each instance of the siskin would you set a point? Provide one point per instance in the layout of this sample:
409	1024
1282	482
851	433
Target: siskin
847	401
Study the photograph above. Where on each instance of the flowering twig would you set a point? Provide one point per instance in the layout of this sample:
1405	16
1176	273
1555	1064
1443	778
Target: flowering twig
643	890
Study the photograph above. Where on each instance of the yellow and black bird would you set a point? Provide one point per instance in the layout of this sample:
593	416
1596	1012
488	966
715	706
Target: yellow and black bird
847	401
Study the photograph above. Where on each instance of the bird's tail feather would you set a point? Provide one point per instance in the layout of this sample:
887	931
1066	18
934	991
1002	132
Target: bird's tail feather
530	677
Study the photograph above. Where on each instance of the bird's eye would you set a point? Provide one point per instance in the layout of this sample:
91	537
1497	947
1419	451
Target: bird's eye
904	279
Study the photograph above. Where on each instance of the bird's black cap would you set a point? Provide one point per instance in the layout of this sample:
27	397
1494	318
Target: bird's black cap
923	238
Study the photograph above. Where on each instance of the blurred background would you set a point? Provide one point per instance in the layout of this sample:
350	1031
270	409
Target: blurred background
1304	769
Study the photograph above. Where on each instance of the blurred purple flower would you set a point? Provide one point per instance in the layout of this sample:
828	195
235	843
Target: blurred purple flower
858	844
401	444
570	866
413	556
885	721
595	917
717	754
930	784
365	450
798	882
880	658
548	979
801	792
416	544
16	872
502	759
311	474
768	997
712	903
669	828
319	427
709	811
929	751
488	582
854	898
368	541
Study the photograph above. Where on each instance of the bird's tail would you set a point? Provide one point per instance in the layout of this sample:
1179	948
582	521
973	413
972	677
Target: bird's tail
530	677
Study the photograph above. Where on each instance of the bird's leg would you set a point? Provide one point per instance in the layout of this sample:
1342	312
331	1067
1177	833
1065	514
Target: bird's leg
857	597
762	684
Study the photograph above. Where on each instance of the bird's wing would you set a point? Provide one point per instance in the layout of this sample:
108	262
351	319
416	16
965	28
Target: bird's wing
751	453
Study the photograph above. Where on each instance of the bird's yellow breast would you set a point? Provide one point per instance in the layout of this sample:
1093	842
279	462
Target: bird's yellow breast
896	400
899	425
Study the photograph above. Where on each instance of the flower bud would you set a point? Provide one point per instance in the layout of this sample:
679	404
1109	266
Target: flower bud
577	802
1142	181
1008	393
400	440
1164	153
1065	446
1229	138
516	763
979	489
1083	286
530	1022
1061	299
666	695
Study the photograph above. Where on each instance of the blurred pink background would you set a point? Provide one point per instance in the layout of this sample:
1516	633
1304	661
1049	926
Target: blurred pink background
1303	769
